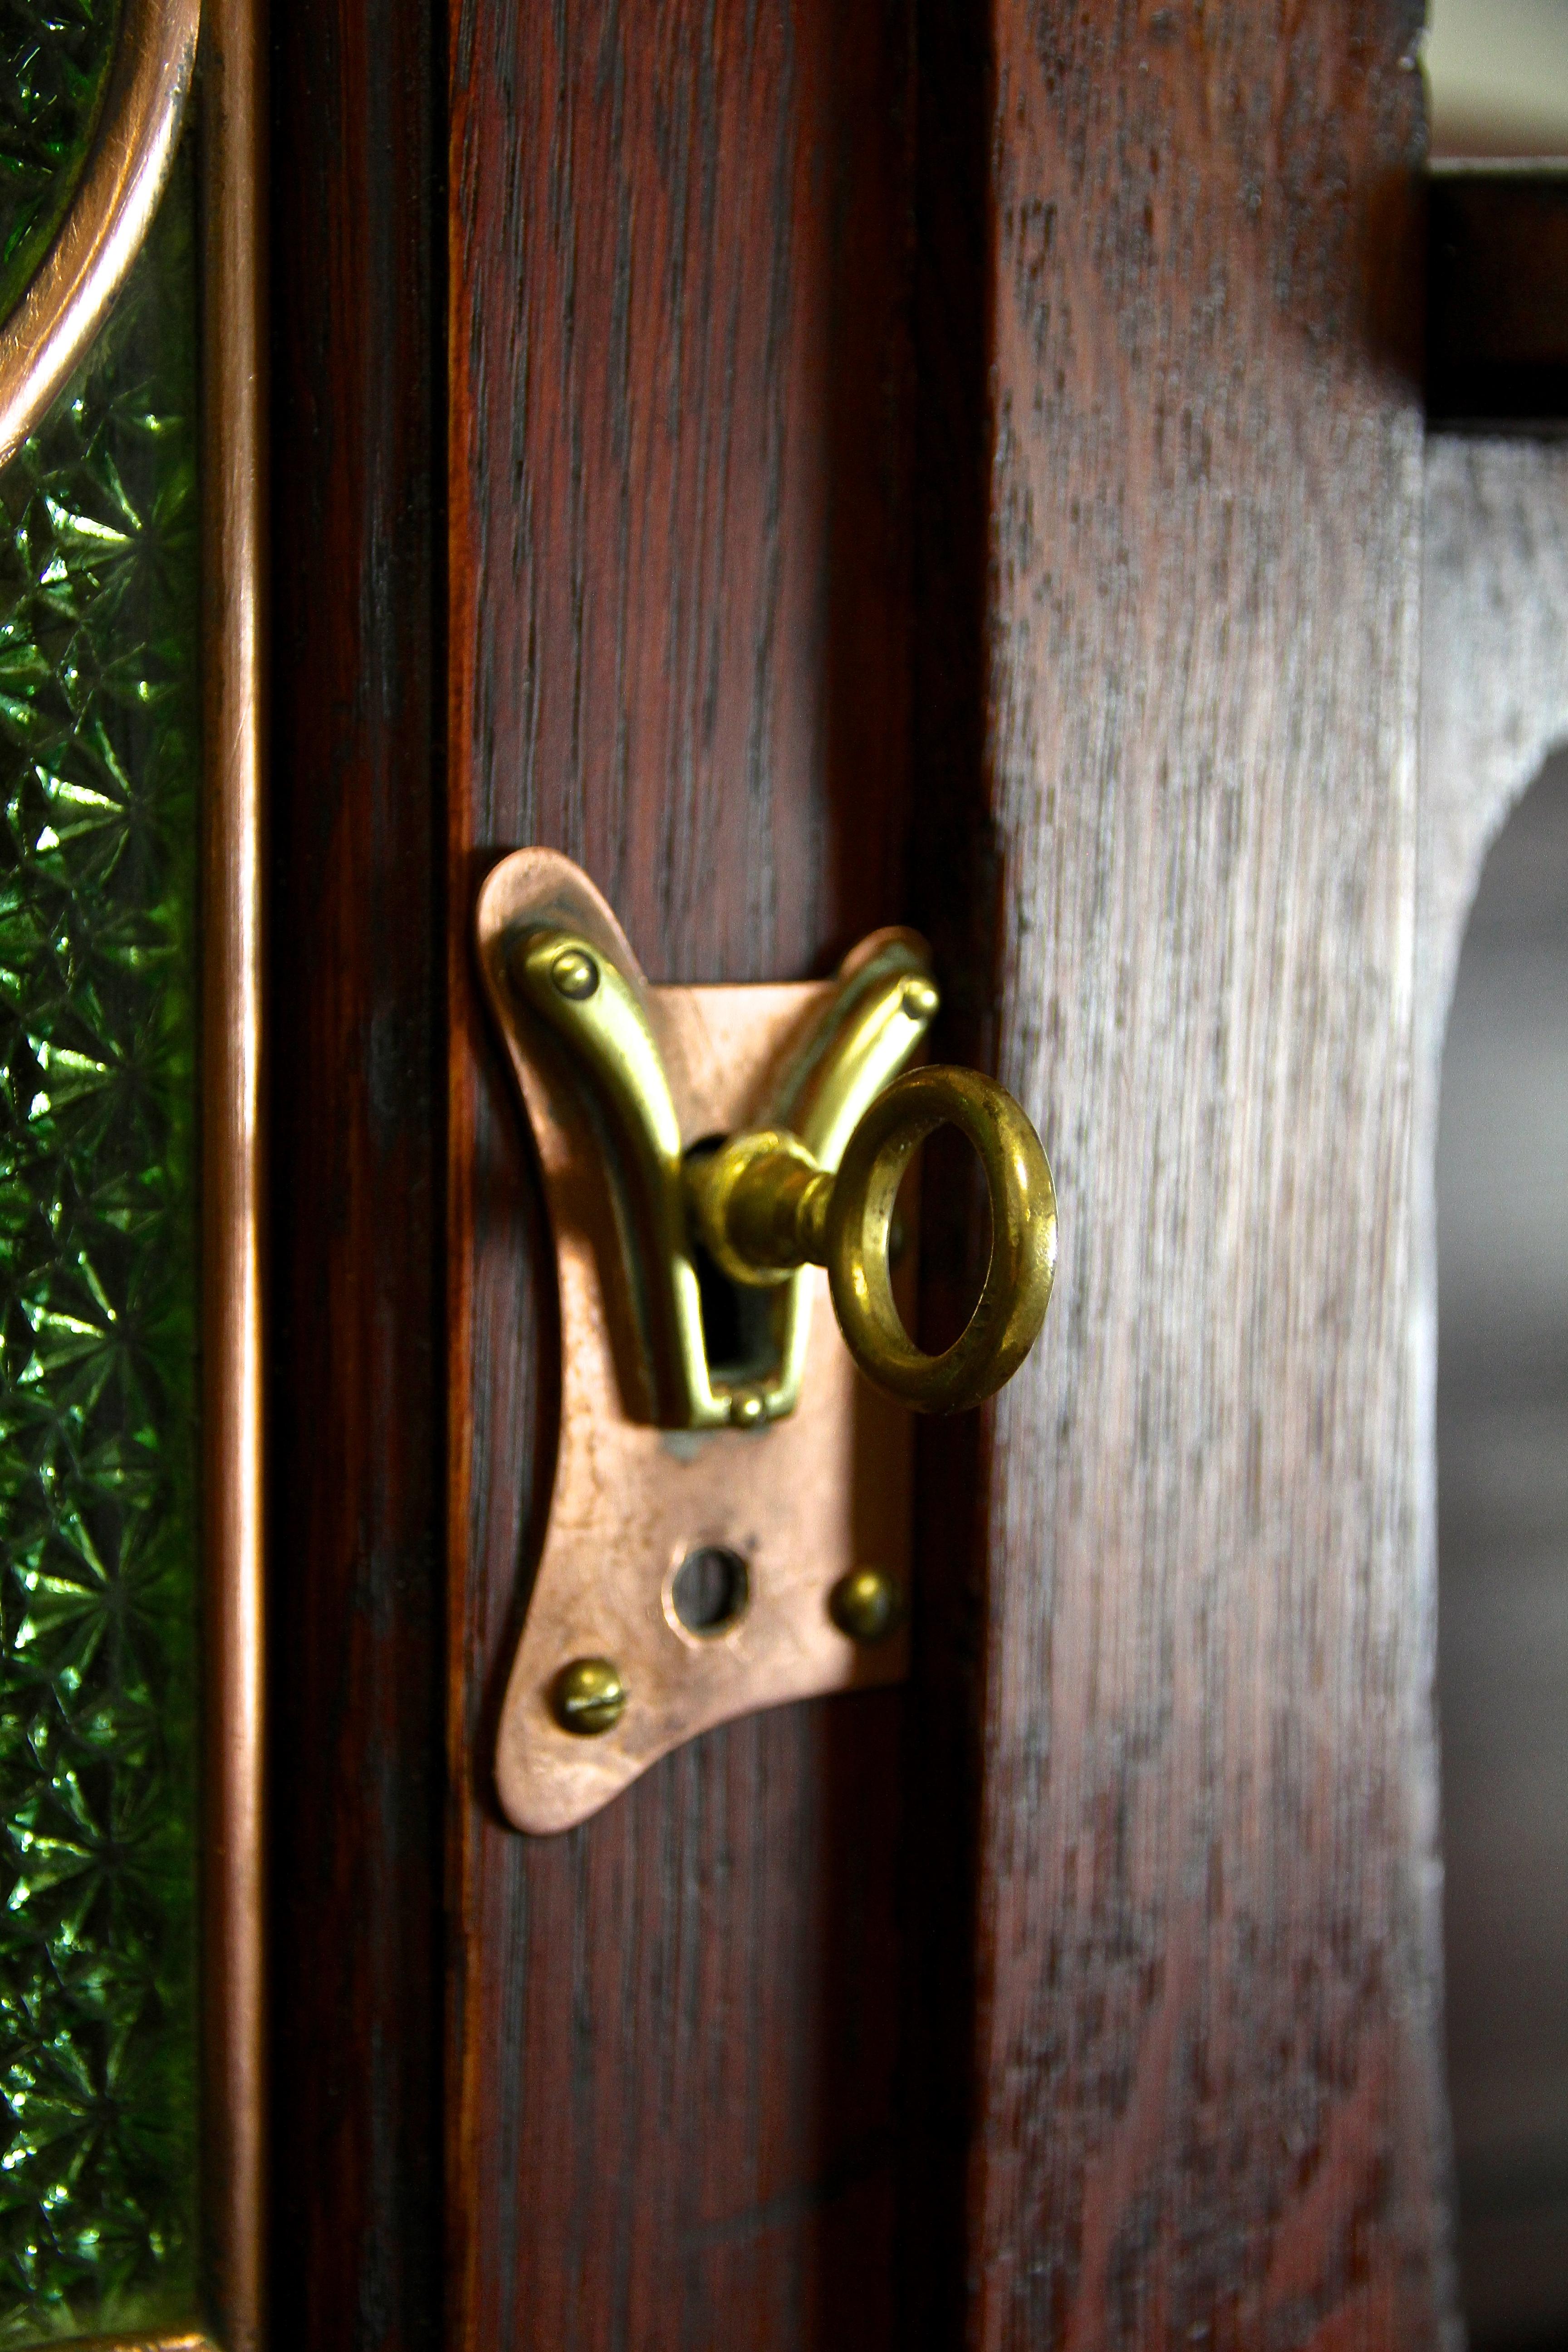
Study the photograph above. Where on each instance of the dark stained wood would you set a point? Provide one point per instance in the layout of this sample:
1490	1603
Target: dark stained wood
678	560
1207	2103
1497	309
953	888
356	989
988	493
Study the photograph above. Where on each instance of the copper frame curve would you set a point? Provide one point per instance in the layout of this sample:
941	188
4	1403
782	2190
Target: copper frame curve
111	211
41	342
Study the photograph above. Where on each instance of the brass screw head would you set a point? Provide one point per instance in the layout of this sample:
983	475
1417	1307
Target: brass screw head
922	1000
575	973
590	1696
747	1409
867	1605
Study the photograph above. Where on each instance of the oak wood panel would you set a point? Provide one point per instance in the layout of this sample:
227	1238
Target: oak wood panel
356	982
1207	2105
678	560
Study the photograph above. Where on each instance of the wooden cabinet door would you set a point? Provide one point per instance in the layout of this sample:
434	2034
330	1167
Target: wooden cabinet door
823	463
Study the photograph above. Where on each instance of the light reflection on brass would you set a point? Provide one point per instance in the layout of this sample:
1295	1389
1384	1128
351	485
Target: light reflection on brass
872	1020
574	975
590	1696
598	1010
766	1202
765	1207
749	1200
852	1237
110	212
867	1605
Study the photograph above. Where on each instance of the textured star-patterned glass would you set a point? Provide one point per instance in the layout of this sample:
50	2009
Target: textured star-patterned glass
53	59
98	748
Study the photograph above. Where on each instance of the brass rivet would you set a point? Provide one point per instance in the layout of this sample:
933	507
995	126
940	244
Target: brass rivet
590	1696
922	1000
575	973
867	1605
747	1409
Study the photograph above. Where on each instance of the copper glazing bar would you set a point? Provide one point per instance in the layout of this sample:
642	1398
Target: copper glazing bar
234	512
40	345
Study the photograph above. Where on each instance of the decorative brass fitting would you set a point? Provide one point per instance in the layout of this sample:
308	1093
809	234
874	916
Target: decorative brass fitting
721	1165
769	1202
765	1208
867	1605
590	1696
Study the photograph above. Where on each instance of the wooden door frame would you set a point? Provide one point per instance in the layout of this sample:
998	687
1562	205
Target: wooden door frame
1004	2199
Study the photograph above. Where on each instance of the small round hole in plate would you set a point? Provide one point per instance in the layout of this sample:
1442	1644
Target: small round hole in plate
709	1589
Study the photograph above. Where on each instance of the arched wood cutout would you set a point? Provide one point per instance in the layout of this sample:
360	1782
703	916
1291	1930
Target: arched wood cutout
802	1500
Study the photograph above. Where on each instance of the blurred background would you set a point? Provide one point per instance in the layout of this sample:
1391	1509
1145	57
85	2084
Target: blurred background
1498	74
1503	1544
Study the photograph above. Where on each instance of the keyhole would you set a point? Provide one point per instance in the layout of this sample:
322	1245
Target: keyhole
711	1589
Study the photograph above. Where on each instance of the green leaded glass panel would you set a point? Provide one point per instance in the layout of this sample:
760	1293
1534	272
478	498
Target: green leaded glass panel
99	747
54	57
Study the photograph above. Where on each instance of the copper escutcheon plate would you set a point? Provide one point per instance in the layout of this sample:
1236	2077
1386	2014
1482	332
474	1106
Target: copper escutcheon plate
800	1501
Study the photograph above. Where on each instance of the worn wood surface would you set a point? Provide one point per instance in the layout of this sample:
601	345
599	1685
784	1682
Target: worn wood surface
1494	705
1207	2105
356	982
678	561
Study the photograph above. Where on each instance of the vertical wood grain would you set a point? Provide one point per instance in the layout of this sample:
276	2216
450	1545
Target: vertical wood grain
678	567
1206	2106
1164	819
355	1040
